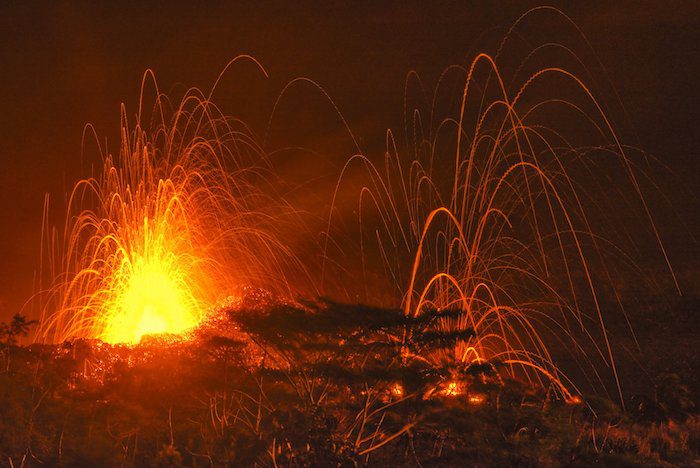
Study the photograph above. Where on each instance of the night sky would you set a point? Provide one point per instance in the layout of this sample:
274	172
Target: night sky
63	65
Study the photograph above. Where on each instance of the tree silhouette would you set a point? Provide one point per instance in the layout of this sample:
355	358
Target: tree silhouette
9	333
320	384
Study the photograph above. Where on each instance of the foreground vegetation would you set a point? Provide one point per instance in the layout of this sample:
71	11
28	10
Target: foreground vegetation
272	384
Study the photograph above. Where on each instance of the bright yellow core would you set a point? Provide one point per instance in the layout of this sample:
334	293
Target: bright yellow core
153	299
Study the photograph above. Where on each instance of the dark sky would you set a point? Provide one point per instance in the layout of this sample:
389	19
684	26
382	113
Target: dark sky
63	64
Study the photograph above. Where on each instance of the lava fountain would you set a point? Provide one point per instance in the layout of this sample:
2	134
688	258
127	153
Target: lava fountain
183	213
498	219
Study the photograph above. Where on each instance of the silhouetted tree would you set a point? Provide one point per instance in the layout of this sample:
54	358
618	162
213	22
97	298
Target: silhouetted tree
9	333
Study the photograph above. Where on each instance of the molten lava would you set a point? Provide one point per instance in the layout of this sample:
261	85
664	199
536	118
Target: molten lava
182	215
154	300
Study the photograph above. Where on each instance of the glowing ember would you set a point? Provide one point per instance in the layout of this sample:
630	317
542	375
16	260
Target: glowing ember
452	389
397	390
476	399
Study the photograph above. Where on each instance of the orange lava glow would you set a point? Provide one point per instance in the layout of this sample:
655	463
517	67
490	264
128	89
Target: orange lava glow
145	269
153	299
452	389
574	400
175	222
491	227
476	399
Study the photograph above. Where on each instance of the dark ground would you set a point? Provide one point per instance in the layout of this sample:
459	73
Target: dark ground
246	391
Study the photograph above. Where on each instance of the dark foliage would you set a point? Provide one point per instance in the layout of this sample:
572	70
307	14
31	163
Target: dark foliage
320	384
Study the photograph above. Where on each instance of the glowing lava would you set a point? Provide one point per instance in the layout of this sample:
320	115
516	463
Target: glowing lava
180	217
155	300
476	399
452	389
481	213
